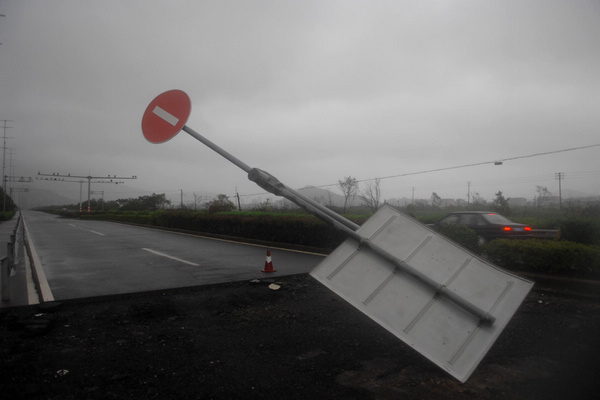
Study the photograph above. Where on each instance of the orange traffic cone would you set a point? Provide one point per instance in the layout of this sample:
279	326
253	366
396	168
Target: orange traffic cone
268	263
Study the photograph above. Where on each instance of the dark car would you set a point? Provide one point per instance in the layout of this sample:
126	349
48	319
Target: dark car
489	225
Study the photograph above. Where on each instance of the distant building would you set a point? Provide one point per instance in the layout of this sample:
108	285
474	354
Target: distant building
448	203
517	202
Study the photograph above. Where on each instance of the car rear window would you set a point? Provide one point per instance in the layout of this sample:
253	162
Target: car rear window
450	219
497	219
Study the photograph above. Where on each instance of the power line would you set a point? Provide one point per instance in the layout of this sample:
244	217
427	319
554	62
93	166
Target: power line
495	162
518	180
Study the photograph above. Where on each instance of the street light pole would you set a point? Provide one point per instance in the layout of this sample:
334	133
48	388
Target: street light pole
103	179
4	127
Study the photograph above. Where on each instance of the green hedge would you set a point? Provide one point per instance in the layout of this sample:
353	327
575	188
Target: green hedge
584	231
460	234
576	229
298	229
6	215
544	256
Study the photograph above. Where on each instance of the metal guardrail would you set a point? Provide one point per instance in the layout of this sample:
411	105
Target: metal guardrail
12	258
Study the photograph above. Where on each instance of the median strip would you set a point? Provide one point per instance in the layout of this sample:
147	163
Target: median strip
171	257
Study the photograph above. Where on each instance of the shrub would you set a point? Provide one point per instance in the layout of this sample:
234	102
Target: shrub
585	231
461	235
6	215
544	256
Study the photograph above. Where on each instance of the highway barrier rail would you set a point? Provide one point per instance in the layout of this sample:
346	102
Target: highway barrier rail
11	259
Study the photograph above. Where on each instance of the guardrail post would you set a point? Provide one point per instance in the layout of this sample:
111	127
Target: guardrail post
5	276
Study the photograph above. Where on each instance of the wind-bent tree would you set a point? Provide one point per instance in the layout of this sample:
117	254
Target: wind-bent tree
349	187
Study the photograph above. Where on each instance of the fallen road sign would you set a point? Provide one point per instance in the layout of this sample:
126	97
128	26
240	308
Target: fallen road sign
440	329
447	303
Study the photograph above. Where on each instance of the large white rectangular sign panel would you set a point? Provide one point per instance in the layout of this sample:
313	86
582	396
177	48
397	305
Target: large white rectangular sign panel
438	328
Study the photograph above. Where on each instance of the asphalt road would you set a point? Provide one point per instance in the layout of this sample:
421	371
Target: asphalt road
243	341
96	258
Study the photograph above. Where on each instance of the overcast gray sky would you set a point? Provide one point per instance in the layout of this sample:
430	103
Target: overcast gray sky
310	91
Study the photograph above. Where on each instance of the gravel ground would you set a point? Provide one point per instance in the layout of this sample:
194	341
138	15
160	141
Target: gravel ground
245	341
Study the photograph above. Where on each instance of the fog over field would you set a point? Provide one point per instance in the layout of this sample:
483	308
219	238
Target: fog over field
451	97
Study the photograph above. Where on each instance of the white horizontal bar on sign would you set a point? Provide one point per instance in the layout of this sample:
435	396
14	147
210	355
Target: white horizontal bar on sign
167	116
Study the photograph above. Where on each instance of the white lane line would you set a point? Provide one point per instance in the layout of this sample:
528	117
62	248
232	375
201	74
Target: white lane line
171	257
97	233
170	118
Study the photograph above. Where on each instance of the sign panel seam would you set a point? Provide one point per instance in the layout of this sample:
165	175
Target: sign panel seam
342	265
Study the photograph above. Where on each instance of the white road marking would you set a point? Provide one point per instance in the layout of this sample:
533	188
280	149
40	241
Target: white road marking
97	233
170	118
171	257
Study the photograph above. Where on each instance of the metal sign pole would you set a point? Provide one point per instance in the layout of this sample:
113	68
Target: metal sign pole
273	185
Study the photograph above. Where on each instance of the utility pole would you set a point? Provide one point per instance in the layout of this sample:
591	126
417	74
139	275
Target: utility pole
4	127
560	176
237	195
469	193
10	170
101	179
2	15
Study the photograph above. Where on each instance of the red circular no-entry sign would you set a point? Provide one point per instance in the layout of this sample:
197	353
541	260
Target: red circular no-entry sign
165	116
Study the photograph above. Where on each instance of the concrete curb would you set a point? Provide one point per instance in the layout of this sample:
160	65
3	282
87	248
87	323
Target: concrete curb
45	294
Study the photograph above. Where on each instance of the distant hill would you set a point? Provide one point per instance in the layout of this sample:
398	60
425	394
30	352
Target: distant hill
324	196
39	197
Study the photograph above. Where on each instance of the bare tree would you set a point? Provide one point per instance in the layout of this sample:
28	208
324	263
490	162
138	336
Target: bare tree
501	204
220	204
349	187
542	196
371	194
196	200
477	199
435	199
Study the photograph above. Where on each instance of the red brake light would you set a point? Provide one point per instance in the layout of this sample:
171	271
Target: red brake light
527	228
507	228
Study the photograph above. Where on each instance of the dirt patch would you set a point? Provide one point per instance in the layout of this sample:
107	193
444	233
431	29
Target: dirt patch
243	340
